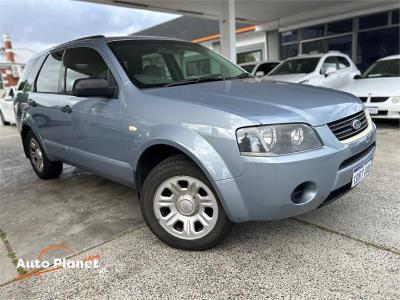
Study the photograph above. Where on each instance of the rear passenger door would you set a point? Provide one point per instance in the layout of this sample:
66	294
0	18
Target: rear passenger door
42	102
92	124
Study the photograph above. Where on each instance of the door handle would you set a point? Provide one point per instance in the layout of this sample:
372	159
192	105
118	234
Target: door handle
66	109
32	102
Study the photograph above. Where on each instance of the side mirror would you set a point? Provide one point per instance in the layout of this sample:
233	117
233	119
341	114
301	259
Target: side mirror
260	73
329	71
358	76
92	87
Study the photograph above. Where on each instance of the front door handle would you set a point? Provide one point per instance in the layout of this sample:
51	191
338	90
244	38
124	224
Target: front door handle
66	109
32	102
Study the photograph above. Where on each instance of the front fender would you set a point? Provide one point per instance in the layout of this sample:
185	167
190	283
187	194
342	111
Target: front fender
194	146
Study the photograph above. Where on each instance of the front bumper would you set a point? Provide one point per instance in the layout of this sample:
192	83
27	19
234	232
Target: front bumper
386	110
264	190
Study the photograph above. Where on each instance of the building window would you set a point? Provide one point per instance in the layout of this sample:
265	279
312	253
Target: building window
251	56
288	37
376	44
289	51
371	21
340	27
341	43
313	32
289	44
395	16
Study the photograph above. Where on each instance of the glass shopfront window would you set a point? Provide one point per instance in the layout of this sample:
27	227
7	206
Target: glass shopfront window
251	56
376	36
313	32
371	21
289	44
340	27
341	43
375	44
395	16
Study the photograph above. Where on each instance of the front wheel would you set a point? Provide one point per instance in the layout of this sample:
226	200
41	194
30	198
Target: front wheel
43	167
181	207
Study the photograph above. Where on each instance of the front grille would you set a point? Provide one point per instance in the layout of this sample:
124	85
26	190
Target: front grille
354	158
374	99
343	128
378	99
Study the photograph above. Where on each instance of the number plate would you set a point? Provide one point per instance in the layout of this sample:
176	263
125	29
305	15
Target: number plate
360	172
373	110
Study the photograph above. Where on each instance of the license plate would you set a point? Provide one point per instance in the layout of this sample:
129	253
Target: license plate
360	172
373	110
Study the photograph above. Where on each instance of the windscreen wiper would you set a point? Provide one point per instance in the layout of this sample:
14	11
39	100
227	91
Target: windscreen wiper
194	80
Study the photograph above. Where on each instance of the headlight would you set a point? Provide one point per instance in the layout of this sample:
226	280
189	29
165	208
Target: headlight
396	99
275	140
305	82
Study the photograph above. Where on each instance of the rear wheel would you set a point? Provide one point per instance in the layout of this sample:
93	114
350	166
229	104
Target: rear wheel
181	207
43	167
2	120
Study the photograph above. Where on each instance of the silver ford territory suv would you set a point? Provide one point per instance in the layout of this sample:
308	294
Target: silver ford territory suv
204	143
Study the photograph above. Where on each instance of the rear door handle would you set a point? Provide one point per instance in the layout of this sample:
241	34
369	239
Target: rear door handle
66	109
32	102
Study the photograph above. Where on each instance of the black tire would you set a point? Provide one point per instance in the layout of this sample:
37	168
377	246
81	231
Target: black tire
49	169
180	165
2	120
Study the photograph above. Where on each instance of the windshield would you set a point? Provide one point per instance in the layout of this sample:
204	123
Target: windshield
383	68
248	68
163	63
296	66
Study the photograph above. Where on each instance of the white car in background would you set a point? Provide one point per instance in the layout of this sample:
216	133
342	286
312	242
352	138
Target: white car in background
259	69
379	88
332	70
7	115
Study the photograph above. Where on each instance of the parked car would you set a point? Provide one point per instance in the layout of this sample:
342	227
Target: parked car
203	151
379	88
333	70
259	69
6	107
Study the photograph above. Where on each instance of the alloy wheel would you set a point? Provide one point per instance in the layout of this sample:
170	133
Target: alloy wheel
36	155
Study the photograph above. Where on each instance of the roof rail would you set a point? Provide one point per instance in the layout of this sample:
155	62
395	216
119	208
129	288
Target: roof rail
90	37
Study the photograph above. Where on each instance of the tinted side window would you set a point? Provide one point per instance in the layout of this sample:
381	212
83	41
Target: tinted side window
86	63
47	81
329	62
342	62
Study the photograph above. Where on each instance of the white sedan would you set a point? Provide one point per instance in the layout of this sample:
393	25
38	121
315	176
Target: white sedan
7	115
379	88
332	70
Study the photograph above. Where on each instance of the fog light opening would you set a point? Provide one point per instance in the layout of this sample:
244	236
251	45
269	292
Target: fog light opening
304	192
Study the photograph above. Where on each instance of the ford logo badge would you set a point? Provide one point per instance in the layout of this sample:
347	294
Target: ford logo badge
356	124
